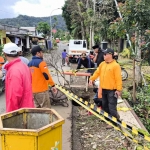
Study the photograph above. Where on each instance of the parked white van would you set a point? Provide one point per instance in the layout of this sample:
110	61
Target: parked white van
76	48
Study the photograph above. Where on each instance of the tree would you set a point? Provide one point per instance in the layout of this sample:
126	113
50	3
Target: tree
44	28
67	15
136	20
59	34
55	22
77	14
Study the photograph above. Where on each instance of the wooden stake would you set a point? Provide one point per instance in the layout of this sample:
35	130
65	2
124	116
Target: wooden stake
134	83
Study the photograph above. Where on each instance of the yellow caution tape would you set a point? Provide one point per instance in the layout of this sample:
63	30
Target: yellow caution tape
123	109
101	114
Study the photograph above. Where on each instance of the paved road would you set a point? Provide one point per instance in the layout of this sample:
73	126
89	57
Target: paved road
65	112
2	103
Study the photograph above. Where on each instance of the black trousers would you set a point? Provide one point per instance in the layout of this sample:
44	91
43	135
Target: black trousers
109	102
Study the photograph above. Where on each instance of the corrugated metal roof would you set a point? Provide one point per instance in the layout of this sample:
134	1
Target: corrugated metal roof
28	28
36	36
9	28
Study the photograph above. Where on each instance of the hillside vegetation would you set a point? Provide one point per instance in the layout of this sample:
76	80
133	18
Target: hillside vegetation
29	21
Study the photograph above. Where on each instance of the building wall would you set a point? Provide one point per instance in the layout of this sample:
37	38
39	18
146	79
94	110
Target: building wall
3	38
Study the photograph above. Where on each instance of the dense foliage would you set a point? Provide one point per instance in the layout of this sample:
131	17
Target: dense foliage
1	50
86	20
43	28
29	21
142	108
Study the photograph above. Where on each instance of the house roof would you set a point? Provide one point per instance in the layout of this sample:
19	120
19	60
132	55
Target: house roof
36	36
31	29
9	28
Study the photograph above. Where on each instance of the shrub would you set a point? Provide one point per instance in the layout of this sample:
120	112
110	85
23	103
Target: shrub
126	53
126	94
142	108
54	43
1	50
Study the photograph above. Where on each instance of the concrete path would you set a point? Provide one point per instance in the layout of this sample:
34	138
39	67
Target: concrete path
129	117
65	112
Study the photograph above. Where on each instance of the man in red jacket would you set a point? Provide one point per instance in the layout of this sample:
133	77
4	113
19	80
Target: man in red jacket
18	80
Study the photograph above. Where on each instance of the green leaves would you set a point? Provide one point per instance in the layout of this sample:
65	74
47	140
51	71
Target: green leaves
1	50
143	106
44	28
90	12
126	94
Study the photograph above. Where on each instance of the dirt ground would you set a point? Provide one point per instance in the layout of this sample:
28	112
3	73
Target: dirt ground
128	65
89	132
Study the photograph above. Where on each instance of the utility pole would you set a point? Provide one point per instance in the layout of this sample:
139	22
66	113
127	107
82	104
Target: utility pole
92	28
92	24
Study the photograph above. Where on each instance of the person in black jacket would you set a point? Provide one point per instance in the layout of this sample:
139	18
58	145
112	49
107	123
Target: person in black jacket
85	61
98	55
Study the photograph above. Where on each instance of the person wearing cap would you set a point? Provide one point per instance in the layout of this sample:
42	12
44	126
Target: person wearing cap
109	74
23	59
98	55
40	79
18	89
85	61
91	55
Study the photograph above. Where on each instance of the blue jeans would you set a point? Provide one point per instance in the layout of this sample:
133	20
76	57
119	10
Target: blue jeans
96	95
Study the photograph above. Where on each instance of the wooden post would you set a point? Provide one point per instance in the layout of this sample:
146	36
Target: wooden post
134	83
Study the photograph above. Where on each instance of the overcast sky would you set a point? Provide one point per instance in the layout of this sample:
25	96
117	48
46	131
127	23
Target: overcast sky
37	8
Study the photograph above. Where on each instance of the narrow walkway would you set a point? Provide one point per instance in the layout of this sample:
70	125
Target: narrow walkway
129	117
66	113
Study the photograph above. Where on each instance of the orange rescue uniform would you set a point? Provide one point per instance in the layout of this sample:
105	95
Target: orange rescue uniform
2	61
40	75
109	75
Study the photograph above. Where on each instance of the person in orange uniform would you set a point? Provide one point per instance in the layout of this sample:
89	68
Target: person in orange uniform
40	79
2	61
109	73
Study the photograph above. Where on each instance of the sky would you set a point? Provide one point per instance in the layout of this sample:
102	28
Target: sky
36	8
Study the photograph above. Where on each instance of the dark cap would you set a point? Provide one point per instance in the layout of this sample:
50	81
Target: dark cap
108	51
36	49
95	46
83	55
